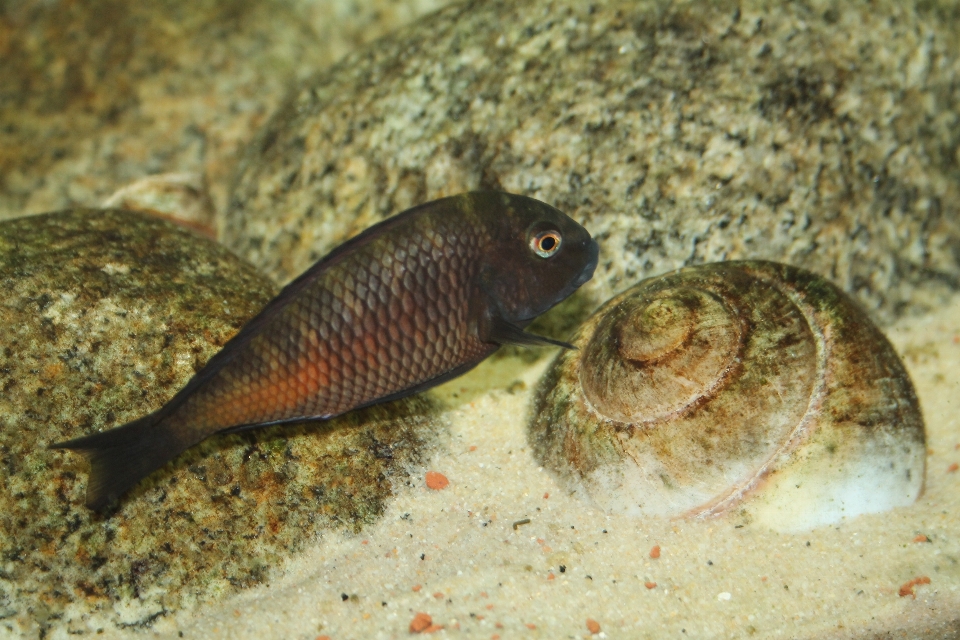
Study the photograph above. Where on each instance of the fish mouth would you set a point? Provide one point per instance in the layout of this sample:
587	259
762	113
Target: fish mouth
593	257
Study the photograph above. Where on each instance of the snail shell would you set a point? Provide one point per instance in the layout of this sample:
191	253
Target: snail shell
752	387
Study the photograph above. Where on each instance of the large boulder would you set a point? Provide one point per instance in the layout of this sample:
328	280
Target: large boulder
821	134
105	315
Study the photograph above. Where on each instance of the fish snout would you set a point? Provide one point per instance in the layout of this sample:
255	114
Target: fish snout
593	256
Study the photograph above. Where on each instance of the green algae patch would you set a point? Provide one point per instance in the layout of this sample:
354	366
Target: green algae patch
106	314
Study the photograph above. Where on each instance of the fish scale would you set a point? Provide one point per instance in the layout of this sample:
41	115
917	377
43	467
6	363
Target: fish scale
407	304
366	354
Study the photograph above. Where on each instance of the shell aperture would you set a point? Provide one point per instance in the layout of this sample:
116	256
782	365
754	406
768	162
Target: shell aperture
752	386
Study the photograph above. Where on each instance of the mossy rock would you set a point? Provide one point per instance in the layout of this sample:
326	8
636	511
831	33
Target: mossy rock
106	314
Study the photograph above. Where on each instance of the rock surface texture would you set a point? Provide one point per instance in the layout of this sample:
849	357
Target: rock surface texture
105	315
96	94
820	135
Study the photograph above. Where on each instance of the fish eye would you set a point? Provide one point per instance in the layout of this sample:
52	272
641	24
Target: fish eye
545	243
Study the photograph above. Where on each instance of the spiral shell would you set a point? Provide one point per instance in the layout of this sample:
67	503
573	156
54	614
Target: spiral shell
751	387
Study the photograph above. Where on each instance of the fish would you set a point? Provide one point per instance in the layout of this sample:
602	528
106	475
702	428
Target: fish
411	302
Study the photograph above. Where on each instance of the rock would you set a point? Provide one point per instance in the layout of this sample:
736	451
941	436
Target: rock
106	314
825	136
97	94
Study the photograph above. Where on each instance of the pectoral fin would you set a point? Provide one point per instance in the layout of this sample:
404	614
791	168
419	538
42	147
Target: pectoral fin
492	327
503	332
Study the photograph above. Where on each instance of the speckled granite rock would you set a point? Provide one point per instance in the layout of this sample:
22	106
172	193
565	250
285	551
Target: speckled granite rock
105	314
96	94
818	134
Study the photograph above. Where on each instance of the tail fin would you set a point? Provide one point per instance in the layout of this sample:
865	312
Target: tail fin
121	457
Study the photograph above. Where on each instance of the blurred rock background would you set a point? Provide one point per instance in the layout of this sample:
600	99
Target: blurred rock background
96	94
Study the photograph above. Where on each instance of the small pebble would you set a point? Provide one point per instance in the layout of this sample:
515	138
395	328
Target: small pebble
436	480
907	588
650	585
420	623
724	596
593	626
655	552
953	467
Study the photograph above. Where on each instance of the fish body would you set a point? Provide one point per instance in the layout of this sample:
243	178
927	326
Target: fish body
409	303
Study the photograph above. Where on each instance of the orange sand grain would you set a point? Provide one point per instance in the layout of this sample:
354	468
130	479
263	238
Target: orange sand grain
420	623
907	588
436	480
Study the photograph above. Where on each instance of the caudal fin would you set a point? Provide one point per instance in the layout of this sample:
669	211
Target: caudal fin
121	457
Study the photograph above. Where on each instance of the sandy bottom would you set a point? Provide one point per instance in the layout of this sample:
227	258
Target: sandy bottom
462	556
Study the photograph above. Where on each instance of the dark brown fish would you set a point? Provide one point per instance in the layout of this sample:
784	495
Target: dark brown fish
409	303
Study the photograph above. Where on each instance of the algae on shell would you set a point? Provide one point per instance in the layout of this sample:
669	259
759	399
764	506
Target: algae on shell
744	387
